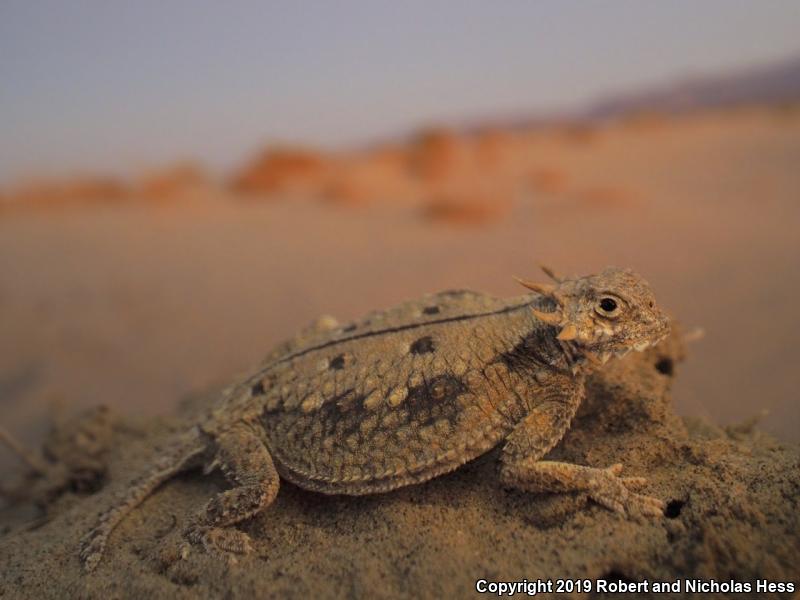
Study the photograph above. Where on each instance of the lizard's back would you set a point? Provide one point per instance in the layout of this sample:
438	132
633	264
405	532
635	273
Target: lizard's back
397	398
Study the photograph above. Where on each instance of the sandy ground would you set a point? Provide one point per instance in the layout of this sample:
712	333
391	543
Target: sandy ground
731	514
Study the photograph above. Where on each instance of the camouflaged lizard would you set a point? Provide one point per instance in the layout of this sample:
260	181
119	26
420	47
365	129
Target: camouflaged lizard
408	394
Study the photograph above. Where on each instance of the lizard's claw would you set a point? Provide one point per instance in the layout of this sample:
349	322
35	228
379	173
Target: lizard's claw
614	492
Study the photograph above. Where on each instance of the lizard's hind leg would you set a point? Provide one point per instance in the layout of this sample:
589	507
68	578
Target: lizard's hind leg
246	462
170	463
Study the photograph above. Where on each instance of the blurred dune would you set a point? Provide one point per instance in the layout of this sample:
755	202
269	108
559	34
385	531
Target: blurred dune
494	148
436	153
580	134
176	181
549	180
66	192
378	174
281	169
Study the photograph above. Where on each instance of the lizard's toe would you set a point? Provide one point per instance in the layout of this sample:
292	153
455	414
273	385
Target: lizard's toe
634	482
651	506
615	493
218	539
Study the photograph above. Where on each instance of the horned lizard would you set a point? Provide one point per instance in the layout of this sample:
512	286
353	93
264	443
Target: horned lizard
408	394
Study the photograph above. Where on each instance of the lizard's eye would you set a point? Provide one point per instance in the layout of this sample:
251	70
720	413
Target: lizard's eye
608	307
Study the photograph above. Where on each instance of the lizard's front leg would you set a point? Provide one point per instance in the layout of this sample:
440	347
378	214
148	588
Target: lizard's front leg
540	431
246	462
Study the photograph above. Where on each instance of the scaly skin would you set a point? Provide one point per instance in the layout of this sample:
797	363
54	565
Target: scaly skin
411	393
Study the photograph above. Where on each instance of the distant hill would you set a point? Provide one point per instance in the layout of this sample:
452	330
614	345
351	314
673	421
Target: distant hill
774	83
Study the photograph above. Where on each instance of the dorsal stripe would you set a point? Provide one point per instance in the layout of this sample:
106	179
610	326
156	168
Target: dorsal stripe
388	330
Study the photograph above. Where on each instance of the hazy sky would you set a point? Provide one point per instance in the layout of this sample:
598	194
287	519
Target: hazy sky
118	85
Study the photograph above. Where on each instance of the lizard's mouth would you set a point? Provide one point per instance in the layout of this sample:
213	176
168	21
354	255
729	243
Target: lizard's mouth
601	355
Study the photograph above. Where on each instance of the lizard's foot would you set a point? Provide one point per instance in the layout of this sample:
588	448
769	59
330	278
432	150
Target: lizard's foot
221	540
608	489
243	457
213	544
604	486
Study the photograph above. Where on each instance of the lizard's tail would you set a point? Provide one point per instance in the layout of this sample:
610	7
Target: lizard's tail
168	464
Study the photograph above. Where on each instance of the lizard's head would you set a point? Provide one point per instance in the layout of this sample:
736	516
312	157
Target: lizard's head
606	314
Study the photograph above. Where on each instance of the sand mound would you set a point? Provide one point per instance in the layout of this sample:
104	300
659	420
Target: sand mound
177	181
732	514
378	174
579	134
493	148
549	180
280	170
435	154
54	193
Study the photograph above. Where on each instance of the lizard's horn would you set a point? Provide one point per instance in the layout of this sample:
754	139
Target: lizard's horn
551	318
543	288
550	273
569	332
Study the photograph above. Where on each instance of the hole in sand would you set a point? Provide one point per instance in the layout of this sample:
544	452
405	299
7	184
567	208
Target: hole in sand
665	366
673	509
614	575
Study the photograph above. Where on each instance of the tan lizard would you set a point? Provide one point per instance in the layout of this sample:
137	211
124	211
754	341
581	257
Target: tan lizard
408	394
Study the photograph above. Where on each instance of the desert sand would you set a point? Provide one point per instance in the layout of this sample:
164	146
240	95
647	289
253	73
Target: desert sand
137	305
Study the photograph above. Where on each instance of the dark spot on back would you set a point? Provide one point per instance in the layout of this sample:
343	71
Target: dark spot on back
665	366
457	293
535	350
349	328
257	389
337	363
431	310
435	399
332	414
423	345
